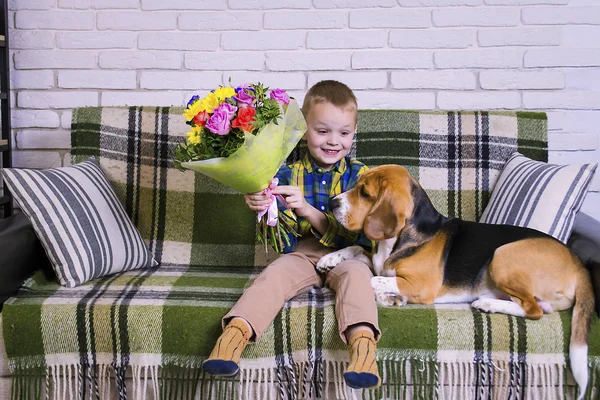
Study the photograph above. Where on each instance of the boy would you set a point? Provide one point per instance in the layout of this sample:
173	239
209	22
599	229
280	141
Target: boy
330	110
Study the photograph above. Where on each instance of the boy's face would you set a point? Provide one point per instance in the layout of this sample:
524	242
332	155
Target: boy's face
329	133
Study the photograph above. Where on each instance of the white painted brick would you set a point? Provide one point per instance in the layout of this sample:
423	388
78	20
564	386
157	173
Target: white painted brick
478	100
196	41
573	3
590	204
581	36
220	21
54	59
410	59
65	119
271	40
449	79
476	17
31	79
43	139
140	59
353	3
478	58
357	80
543	36
225	60
52	100
36	159
438	3
506	79
305	19
401	18
574	121
76	4
573	100
180	80
149	98
308	61
31	39
117	4
31	4
268	4
136	20
523	2
66	160
432	38
71	20
562	58
583	79
97	80
346	39
34	119
152	5
561	15
413	100
282	80
96	40
572	157
572	141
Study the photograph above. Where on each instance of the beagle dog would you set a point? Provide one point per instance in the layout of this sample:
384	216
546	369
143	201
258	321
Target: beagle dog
424	257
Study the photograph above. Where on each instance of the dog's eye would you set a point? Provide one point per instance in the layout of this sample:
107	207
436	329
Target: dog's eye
363	192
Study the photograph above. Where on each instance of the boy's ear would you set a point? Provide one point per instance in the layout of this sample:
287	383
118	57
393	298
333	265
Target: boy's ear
304	136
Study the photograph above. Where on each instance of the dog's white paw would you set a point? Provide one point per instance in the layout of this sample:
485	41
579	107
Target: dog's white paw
329	261
386	291
490	305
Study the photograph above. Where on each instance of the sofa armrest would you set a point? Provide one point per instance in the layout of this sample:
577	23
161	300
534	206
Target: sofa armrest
585	242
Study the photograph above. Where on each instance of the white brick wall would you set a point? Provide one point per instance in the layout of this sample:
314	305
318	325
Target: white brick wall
539	55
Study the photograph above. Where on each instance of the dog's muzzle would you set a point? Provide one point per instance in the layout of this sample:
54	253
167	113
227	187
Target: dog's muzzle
339	208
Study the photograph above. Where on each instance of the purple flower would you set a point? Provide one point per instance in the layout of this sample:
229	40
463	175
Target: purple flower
280	96
219	123
244	99
227	109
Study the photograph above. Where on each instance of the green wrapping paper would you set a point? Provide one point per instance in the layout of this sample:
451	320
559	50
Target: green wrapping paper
252	166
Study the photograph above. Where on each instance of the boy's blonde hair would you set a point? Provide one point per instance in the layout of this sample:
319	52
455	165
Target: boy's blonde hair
330	91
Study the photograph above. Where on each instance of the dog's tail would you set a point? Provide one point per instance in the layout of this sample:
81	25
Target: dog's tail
580	329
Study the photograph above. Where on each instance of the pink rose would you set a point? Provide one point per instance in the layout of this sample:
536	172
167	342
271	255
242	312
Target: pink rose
219	123
280	96
244	99
227	109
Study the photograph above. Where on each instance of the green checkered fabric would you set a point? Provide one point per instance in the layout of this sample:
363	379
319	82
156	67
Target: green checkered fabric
162	323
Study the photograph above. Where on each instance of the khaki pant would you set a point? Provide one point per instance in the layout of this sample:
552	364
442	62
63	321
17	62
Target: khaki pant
295	273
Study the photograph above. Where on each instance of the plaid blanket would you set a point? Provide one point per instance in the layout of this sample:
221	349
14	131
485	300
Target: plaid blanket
158	325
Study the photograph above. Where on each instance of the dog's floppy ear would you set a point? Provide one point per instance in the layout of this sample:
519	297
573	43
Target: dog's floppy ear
387	216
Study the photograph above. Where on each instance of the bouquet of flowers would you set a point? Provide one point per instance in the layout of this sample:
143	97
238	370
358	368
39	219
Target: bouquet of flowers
240	136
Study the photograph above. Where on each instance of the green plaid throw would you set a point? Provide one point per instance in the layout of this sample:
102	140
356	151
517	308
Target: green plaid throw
159	324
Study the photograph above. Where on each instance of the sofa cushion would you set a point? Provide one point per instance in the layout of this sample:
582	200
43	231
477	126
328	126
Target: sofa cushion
538	195
80	222
22	254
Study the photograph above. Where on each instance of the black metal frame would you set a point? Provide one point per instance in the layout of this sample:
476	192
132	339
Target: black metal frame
6	201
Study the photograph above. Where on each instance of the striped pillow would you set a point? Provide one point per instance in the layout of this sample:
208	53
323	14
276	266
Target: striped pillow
81	224
538	195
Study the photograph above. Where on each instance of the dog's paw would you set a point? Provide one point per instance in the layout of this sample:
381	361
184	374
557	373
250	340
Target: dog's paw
329	261
386	291
490	305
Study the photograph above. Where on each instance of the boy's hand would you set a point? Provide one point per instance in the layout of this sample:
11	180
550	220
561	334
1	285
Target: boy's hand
294	198
258	201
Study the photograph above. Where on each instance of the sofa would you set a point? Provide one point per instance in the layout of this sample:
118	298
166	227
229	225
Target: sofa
143	334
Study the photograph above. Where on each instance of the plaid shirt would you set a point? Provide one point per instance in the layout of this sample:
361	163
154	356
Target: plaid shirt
319	188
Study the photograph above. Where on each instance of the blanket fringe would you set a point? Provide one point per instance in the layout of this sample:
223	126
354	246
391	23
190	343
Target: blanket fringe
403	378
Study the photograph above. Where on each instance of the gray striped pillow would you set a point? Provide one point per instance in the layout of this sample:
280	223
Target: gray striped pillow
79	220
538	195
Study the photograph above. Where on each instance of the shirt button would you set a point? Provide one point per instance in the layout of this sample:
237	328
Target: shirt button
324	182
322	208
319	170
